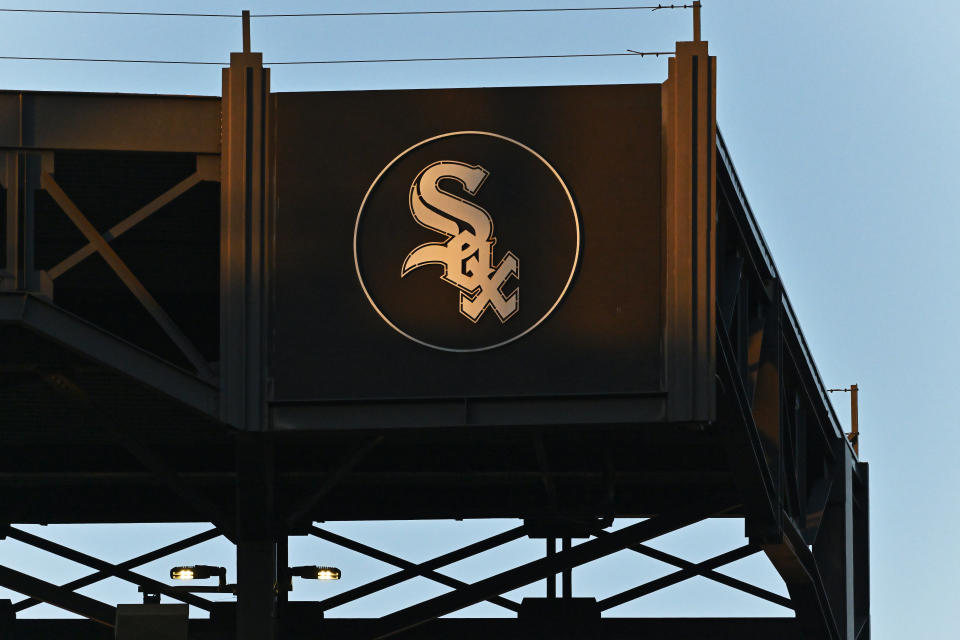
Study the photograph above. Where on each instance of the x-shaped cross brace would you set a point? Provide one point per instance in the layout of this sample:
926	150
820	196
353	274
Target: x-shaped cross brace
100	243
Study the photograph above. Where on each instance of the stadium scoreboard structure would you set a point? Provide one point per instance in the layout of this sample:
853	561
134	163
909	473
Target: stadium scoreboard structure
267	310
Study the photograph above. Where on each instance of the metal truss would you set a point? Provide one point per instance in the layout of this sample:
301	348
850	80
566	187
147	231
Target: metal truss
24	173
410	570
811	575
461	596
66	597
804	490
101	245
464	595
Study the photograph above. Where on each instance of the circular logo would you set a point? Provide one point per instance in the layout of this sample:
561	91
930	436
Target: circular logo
466	241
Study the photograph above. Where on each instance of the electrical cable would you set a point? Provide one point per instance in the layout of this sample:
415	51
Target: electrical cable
469	58
124	13
657	7
51	59
469	11
629	52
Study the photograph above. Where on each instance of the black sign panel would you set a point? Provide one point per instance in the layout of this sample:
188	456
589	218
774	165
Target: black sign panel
444	244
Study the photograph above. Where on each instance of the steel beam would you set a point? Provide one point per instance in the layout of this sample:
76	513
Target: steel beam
106	567
458	628
20	176
128	278
11	182
80	336
710	574
302	510
689	193
835	545
552	578
540	569
411	570
28	184
244	231
766	370
677	576
795	563
58	596
566	581
109	122
126	224
742	438
549	486
257	570
203	506
762	264
156	554
861	550
419	479
610	409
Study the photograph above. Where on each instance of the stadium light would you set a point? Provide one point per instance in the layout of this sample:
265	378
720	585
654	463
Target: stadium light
199	572
316	573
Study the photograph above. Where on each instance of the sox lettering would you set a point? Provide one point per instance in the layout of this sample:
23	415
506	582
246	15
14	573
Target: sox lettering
466	254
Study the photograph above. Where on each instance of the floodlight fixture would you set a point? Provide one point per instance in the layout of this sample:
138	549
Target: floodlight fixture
313	572
199	572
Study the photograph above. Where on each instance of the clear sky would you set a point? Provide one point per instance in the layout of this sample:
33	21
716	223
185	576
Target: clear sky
842	120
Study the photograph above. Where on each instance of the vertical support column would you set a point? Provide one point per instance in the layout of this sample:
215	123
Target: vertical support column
21	178
243	310
861	551
257	549
244	241
689	178
28	183
32	166
567	579
10	278
834	547
765	360
283	584
552	578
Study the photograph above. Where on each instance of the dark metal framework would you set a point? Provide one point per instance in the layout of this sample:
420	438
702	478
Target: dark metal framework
89	411
798	474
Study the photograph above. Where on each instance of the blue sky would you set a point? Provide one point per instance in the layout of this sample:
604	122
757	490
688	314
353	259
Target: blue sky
841	118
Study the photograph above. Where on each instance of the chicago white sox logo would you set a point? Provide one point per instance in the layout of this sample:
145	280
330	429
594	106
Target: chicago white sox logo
475	269
466	255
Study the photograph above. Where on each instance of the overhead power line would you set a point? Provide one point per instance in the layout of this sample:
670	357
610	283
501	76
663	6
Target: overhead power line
468	58
129	61
629	52
124	13
656	7
469	11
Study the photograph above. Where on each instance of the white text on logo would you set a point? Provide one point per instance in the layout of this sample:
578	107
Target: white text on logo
467	253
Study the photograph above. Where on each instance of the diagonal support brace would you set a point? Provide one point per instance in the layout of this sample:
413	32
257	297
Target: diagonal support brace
411	570
131	281
677	576
794	561
126	224
93	578
113	570
58	596
539	569
203	506
302	510
710	574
